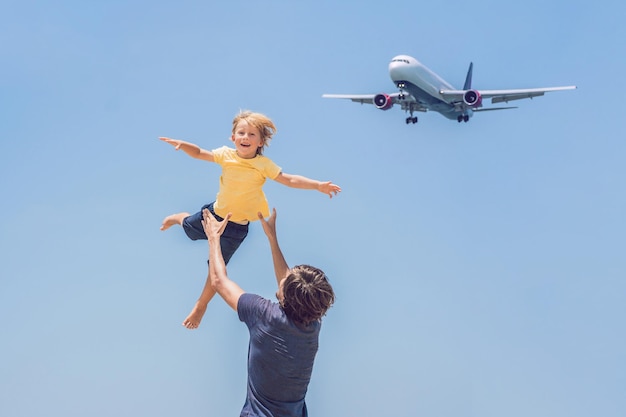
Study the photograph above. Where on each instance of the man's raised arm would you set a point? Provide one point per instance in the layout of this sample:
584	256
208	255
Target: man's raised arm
227	289
281	269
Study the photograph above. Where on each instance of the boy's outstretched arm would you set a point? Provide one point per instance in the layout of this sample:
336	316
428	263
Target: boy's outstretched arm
190	149
227	289
281	269
298	181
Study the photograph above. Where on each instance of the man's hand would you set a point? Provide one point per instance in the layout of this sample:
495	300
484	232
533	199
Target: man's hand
269	225
212	227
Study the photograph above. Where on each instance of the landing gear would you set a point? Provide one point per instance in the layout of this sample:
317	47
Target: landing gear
462	118
401	86
411	118
408	103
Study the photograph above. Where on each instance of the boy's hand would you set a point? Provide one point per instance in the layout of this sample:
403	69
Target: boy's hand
174	142
329	188
269	225
212	227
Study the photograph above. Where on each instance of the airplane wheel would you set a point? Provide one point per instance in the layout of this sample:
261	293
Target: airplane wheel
466	118
414	120
408	120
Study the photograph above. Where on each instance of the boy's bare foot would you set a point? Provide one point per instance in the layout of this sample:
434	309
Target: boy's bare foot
193	319
173	219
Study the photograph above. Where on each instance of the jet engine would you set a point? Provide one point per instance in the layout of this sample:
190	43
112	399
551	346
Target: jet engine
472	98
383	101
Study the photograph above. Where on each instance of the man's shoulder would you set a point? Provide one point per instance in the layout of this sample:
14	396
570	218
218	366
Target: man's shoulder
250	304
249	298
252	299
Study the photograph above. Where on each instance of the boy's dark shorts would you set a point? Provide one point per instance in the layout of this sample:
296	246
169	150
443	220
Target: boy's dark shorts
232	236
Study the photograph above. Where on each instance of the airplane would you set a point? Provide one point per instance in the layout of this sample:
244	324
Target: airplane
421	90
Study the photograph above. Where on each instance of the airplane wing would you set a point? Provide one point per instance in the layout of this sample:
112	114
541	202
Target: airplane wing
357	98
406	101
362	98
504	96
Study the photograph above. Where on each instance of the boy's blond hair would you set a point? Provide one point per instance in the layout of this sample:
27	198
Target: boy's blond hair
261	122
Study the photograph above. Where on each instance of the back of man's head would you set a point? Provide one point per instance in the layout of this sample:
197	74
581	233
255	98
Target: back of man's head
307	294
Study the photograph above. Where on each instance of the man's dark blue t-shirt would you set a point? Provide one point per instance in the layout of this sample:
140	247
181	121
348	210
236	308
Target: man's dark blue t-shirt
280	359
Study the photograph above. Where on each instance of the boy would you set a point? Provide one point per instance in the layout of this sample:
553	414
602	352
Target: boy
244	171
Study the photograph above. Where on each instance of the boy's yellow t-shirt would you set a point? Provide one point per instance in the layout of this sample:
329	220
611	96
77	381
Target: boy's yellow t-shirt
241	185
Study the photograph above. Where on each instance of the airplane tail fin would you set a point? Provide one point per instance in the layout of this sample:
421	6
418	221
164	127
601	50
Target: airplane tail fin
468	78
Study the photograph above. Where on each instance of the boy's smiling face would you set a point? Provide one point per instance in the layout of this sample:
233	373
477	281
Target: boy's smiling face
247	139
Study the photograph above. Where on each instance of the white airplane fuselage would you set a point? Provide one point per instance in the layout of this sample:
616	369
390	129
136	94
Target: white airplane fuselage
423	84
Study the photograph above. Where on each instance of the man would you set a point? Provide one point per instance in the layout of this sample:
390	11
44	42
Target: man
284	335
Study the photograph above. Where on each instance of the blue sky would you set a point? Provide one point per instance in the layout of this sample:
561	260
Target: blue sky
479	268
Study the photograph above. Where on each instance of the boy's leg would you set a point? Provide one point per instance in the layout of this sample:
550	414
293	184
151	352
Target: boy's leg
192	321
192	224
231	239
173	219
